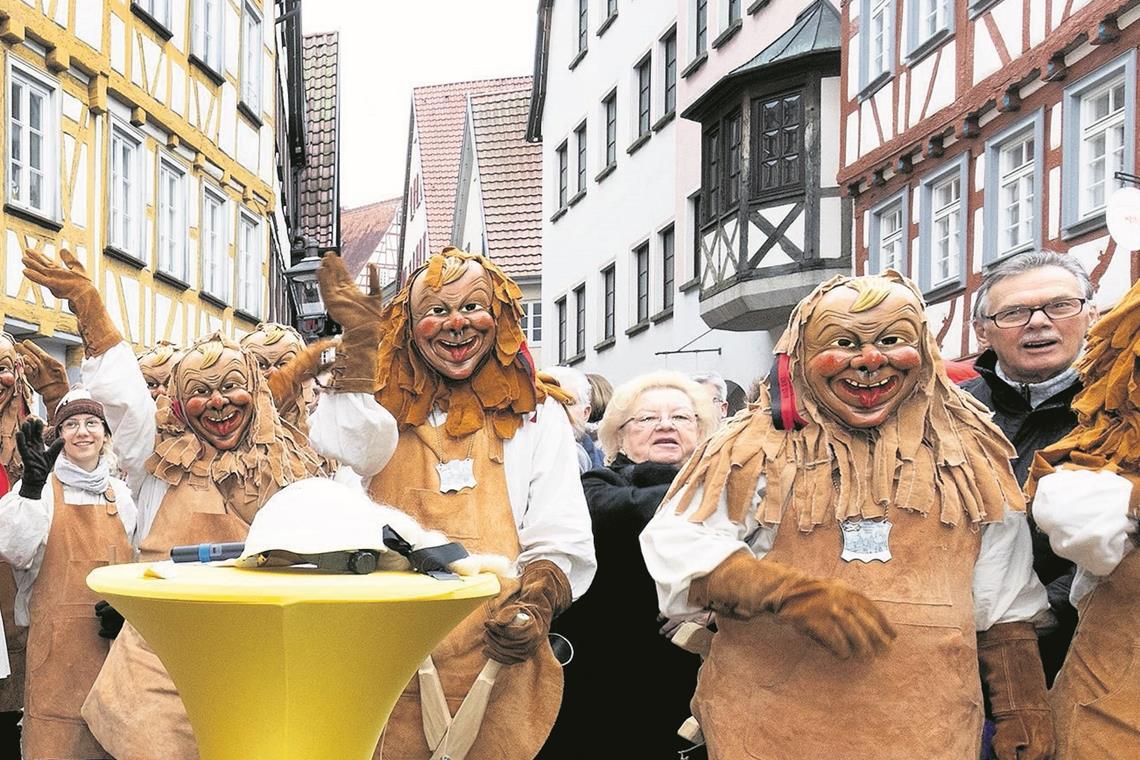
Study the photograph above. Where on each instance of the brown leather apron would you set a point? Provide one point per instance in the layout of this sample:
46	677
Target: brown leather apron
12	687
65	651
134	708
1096	697
526	697
769	691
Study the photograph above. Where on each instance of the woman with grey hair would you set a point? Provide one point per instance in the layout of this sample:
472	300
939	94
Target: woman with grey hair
651	426
578	386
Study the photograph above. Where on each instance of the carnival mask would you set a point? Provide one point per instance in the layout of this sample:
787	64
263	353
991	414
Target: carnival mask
272	346
156	366
453	327
862	361
213	391
8	363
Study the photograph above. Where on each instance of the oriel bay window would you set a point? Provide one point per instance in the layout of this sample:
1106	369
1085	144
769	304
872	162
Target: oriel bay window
779	144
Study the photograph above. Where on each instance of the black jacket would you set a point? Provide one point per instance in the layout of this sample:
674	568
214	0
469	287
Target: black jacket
627	688
1029	430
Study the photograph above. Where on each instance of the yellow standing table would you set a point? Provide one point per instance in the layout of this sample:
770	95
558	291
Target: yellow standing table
289	663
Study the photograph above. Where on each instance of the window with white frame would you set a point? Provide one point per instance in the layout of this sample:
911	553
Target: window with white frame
888	249
212	234
876	40
641	267
668	262
532	322
580	143
733	8
563	175
701	27
249	264
669	57
125	205
580	320
33	141
251	43
643	76
583	24
171	210
609	107
927	19
560	309
206	42
1013	189
1099	136
942	229
159	10
609	302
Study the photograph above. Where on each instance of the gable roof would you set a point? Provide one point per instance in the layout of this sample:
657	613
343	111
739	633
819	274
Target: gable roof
319	188
439	112
361	230
510	176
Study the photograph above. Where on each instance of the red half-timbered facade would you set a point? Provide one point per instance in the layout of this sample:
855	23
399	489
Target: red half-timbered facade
974	130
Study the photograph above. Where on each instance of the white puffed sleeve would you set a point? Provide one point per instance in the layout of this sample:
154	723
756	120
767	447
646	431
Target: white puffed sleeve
1085	515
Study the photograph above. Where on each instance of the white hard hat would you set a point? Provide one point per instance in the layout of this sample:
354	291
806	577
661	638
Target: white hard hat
311	517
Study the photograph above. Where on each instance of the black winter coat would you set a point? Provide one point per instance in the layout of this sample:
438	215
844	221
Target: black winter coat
627	688
1029	430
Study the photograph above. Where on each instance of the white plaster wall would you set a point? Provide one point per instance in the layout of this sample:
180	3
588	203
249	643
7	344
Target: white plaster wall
415	218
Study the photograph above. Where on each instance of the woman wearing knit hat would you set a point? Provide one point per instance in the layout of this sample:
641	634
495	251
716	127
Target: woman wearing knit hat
66	516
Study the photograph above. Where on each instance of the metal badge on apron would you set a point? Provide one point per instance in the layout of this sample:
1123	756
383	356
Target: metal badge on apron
456	474
866	540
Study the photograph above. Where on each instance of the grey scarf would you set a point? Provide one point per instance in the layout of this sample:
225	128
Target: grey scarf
71	474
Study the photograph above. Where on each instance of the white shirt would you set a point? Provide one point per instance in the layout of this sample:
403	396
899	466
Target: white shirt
1085	515
539	462
677	551
25	524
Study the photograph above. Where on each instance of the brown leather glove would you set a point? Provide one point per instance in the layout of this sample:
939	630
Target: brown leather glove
45	374
70	281
544	592
285	383
354	370
1011	670
832	613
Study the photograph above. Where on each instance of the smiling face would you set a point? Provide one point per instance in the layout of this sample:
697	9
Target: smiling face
1043	348
157	376
83	436
861	365
8	360
662	427
216	400
453	328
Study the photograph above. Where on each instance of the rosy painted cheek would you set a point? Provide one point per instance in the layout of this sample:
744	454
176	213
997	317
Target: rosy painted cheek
195	406
7	379
828	363
427	328
482	321
905	358
240	398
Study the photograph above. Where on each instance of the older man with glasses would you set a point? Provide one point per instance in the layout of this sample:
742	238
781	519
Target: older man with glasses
1031	315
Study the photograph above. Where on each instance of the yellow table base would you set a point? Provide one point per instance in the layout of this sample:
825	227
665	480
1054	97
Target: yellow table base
289	664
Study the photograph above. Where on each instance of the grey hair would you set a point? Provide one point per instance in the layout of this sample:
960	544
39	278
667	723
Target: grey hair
1027	262
715	379
572	381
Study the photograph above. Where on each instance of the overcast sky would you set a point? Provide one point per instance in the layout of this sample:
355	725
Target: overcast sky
387	47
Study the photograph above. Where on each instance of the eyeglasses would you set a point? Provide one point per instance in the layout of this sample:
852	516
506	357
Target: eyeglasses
1019	316
70	426
651	421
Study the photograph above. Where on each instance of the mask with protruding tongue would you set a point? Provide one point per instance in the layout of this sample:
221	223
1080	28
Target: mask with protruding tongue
214	389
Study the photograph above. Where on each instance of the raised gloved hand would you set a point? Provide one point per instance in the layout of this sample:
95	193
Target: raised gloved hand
1011	670
285	382
37	461
44	373
70	281
359	314
838	617
544	592
110	621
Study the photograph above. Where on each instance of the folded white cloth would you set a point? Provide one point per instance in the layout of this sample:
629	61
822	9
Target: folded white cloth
5	666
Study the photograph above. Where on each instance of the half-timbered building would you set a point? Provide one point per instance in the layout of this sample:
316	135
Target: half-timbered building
976	130
141	136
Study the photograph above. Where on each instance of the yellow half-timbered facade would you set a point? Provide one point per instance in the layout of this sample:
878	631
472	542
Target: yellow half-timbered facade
141	136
